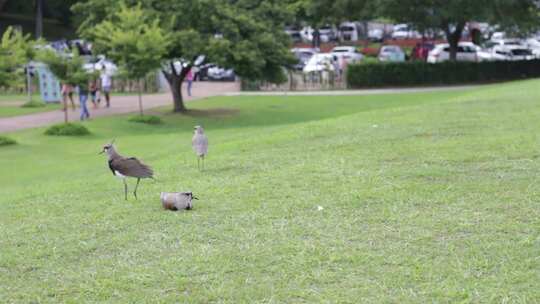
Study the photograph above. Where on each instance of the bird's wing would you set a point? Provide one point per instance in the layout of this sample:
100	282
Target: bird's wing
132	167
200	144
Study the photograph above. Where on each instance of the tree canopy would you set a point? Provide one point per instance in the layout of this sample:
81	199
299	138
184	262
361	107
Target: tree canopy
246	35
16	50
452	16
133	41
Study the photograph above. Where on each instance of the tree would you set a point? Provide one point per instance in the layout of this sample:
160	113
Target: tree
16	50
246	35
134	41
452	16
67	67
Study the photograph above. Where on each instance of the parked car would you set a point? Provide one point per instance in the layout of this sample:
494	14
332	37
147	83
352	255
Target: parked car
347	53
534	45
467	51
421	50
294	33
350	31
391	53
376	35
320	62
403	31
328	33
220	74
502	42
303	55
513	53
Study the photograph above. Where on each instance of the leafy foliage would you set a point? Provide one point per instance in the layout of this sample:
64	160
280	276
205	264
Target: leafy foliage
452	16
15	51
67	67
246	35
67	129
6	141
132	40
422	73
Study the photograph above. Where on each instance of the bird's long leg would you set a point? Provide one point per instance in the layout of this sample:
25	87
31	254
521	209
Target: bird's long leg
202	159
125	188
136	186
199	163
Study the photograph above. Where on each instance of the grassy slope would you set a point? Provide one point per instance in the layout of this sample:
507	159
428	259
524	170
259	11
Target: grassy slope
8	109
427	198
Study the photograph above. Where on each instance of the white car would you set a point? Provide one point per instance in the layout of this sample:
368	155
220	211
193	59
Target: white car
514	53
349	31
376	35
328	33
534	45
391	53
319	63
348	53
303	55
467	51
403	31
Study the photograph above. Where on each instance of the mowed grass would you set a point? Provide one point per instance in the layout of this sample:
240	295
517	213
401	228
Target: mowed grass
430	197
11	105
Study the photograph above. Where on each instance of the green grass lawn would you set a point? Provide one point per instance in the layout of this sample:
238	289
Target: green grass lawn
10	105
430	197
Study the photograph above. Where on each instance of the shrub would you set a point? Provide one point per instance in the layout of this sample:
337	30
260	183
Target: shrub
146	119
6	141
422	73
33	104
67	129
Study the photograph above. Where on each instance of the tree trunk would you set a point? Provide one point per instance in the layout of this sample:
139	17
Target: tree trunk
39	18
453	38
66	120
2	4
140	98
175	83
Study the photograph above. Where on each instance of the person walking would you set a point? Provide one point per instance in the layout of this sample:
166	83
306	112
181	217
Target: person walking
83	97
67	92
189	79
106	85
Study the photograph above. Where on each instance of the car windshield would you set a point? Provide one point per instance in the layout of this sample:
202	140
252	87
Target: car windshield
304	56
521	52
347	28
340	51
392	49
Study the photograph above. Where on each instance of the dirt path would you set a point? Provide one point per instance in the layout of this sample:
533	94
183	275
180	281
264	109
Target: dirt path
119	105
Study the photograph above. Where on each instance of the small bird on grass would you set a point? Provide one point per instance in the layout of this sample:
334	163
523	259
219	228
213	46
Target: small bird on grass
123	167
177	200
199	142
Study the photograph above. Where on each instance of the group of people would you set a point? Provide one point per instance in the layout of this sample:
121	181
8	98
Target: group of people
95	88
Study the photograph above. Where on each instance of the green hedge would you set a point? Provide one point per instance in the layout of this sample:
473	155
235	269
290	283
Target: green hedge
422	73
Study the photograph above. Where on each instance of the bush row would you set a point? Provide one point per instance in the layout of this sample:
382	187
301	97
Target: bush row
422	73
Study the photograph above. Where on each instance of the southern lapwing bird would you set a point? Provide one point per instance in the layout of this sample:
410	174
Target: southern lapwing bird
123	167
177	200
199	142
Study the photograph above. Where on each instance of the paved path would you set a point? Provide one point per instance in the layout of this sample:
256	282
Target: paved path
354	92
119	105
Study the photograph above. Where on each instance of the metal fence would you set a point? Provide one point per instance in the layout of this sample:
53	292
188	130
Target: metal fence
298	81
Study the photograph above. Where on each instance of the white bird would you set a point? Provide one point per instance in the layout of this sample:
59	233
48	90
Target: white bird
199	142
